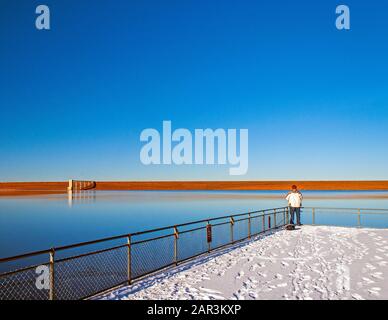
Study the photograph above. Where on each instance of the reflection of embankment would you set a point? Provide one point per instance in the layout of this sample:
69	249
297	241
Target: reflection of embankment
81	196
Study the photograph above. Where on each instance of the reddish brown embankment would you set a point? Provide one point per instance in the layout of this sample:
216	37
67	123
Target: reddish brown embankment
242	185
34	188
31	188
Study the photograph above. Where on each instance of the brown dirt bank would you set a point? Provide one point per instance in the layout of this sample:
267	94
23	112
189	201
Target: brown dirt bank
242	185
31	188
36	188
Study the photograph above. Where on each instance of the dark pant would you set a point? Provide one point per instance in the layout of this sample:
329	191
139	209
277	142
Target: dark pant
294	210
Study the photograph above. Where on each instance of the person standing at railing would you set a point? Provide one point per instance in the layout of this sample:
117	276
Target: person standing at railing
294	198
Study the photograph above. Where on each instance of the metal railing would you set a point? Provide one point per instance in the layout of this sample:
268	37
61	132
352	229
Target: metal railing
346	217
85	269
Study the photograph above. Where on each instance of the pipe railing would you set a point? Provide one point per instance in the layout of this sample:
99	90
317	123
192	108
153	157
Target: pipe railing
83	275
327	212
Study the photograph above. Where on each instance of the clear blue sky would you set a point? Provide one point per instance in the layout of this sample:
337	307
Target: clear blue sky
74	99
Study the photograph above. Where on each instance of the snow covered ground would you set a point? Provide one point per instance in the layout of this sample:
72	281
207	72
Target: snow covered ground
312	262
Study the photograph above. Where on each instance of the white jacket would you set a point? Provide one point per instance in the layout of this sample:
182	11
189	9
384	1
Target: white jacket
294	199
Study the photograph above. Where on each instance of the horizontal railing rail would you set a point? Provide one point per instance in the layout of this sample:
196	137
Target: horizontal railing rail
365	217
365	210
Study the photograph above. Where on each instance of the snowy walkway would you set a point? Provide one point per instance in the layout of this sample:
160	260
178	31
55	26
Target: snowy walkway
313	262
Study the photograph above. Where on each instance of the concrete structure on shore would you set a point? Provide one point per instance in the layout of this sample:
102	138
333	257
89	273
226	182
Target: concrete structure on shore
78	185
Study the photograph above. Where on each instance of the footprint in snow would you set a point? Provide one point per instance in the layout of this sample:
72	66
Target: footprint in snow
253	267
282	285
211	291
238	296
356	296
252	280
215	297
370	266
367	280
377	275
374	291
253	295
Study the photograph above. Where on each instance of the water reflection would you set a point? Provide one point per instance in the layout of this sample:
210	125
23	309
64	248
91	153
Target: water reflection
82	196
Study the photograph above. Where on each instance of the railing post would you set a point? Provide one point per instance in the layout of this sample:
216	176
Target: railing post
313	216
284	217
52	275
209	236
288	215
176	236
263	221
231	229
359	218
269	222
129	265
249	226
274	218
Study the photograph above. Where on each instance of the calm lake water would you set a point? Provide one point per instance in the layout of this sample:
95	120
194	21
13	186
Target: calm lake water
35	223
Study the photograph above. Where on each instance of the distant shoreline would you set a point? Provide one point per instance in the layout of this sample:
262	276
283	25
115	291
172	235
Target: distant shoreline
41	188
